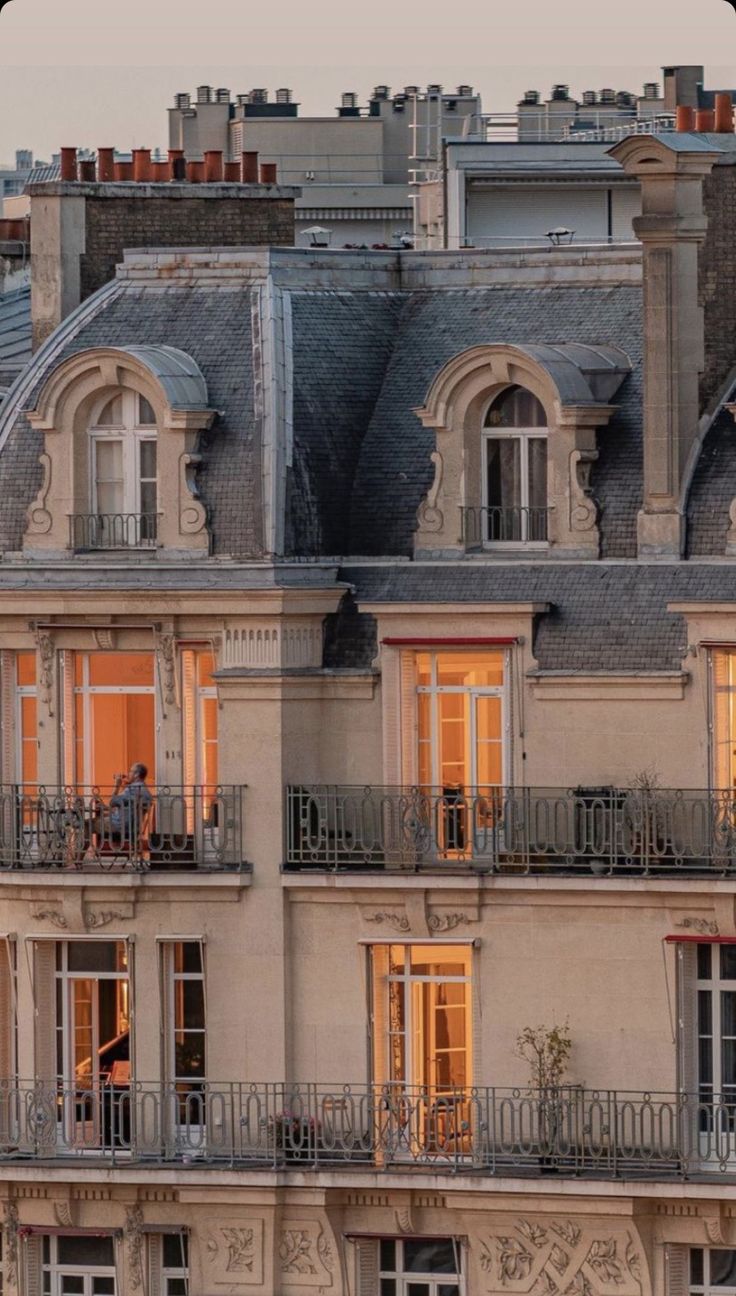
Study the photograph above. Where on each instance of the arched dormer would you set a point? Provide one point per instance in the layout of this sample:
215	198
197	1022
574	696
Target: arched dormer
508	479
120	427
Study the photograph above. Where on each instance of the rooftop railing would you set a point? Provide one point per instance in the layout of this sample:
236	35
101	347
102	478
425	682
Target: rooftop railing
585	830
112	530
569	1131
92	828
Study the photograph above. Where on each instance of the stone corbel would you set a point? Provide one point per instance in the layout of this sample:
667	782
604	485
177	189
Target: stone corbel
46	666
166	658
38	517
583	510
430	517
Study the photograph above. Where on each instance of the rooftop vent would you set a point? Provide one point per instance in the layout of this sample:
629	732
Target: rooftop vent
242	99
223	95
560	92
381	92
349	99
624	99
204	94
651	90
434	89
182	100
608	96
259	96
283	96
589	97
411	90
465	91
531	97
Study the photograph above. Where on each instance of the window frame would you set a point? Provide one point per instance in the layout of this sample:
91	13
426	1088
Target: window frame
55	1271
131	432
523	435
381	980
706	1287
402	1278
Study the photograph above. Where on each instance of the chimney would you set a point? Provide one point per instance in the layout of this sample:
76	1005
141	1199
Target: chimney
105	164
672	228
250	168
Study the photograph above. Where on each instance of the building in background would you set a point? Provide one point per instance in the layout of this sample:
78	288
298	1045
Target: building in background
402	585
354	167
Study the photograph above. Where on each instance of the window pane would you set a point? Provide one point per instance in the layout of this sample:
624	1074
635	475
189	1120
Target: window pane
516	407
504	472
189	1054
704	952
190	1004
121	669
176	1250
696	1267
388	1287
146	415
388	1255
148	459
430	1256
72	1284
26	667
108	462
149	503
537	473
723	1268
187	956
728	962
103	1286
112	413
96	956
94	1252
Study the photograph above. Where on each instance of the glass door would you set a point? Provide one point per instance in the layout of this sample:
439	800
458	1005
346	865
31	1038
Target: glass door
93	1042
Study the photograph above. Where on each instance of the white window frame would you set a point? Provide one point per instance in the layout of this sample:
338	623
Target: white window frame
403	1279
705	1288
714	985
524	435
130	432
435	690
173	979
64	1027
57	1271
87	691
408	979
170	1273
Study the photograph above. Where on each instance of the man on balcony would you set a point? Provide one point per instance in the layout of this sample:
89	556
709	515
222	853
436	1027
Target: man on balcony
129	808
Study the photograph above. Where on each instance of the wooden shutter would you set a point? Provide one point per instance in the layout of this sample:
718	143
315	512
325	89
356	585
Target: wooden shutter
32	1257
189	716
378	989
166	967
70	774
366	1267
677	1264
130	950
478	1064
7	715
44	1004
687	1048
155	1264
408	687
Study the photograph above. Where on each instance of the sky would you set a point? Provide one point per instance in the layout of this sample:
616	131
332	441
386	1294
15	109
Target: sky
92	73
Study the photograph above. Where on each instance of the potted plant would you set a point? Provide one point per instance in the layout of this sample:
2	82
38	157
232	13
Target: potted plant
294	1137
546	1050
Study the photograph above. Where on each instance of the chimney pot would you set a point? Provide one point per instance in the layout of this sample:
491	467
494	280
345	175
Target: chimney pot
68	164
213	165
268	173
723	113
250	168
123	170
705	119
105	164
684	118
232	172
159	171
141	165
195	172
86	170
176	164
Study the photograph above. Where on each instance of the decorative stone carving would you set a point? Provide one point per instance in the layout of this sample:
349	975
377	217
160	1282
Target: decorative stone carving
430	517
731	533
703	926
714	1231
404	1220
564	1257
104	639
272	644
38	517
134	1241
444	922
192	515
42	913
166	651
305	1255
583	508
66	1216
399	922
234	1253
10	1241
46	655
95	918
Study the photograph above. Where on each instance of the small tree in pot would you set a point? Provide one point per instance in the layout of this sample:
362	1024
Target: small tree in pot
546	1050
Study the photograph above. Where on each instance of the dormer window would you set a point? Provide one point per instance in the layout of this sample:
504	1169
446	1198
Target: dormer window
124	485
515	503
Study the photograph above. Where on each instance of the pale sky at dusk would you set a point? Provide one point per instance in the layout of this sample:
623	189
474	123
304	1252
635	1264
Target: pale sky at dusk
72	73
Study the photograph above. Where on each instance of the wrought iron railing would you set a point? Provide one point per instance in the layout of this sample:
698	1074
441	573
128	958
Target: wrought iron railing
513	524
112	530
599	831
93	828
571	1131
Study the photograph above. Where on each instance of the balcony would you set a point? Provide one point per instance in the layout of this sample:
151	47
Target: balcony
91	531
176	828
601	1134
587	831
514	525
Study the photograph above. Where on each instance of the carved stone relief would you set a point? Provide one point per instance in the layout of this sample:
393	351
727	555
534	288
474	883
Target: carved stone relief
39	518
192	516
43	913
10	1242
166	651
583	508
134	1245
305	1255
94	918
233	1253
564	1257
703	926
46	654
430	517
444	922
397	921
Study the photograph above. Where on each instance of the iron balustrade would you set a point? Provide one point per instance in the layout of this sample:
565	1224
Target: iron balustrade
598	831
187	827
112	530
492	524
496	1131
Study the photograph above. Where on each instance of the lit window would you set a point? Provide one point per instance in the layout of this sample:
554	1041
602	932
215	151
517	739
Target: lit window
419	1267
26	722
422	1019
515	470
123	475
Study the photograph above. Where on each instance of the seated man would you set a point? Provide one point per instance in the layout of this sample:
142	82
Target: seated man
129	807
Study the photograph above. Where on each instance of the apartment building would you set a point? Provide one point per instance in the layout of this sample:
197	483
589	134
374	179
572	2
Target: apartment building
400	589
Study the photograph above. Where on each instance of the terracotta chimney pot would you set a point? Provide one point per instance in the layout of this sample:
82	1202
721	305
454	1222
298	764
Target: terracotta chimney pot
685	118
250	168
68	164
232	172
86	170
724	113
105	164
213	165
705	119
141	164
159	171
195	172
123	170
268	173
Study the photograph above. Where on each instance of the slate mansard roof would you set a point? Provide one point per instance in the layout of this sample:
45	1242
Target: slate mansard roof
361	340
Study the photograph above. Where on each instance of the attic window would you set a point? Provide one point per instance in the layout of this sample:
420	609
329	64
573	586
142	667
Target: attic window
515	507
